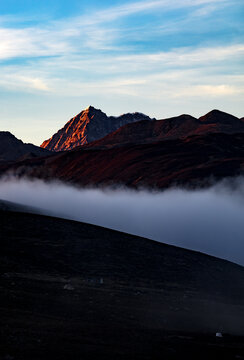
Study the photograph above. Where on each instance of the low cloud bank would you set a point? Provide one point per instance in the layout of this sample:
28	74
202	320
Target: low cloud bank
210	220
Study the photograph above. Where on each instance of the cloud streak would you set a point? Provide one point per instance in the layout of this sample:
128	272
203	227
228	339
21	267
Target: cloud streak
190	67
96	31
129	9
209	220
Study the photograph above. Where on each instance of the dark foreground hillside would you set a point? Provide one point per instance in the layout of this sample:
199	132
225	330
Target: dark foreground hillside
70	290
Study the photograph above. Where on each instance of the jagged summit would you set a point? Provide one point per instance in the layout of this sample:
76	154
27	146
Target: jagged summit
89	125
91	109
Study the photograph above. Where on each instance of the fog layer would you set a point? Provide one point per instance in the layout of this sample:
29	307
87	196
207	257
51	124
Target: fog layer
211	221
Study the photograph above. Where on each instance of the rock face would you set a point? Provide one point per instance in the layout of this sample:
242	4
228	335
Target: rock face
89	125
12	149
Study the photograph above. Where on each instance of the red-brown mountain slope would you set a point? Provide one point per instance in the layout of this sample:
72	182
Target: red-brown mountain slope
89	125
193	161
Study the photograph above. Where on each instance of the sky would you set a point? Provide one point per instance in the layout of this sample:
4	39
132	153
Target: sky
159	57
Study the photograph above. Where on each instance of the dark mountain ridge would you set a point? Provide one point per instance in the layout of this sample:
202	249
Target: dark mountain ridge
12	149
173	128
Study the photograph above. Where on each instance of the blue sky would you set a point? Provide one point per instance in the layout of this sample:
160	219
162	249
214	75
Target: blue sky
160	57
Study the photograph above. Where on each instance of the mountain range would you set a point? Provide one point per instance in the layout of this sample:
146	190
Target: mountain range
181	150
93	125
174	128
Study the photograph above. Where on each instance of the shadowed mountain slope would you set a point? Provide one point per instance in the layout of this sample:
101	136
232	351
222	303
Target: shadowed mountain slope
193	161
12	149
73	288
173	128
89	125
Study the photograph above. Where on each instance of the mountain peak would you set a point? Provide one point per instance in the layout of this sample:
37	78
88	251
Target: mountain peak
89	125
217	116
91	108
216	112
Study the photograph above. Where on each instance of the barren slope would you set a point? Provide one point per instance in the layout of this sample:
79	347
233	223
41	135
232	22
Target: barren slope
73	290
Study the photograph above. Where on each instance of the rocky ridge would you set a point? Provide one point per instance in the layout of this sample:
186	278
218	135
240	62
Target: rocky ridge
89	125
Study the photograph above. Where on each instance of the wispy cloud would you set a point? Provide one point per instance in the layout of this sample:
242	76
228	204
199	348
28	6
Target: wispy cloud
24	83
181	72
129	9
96	31
184	57
32	42
209	90
140	55
187	57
